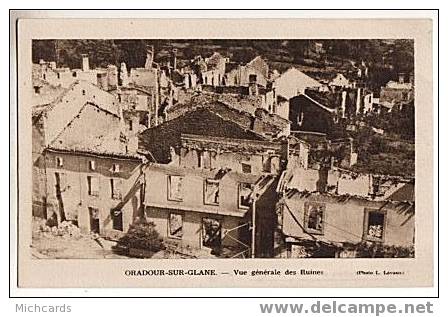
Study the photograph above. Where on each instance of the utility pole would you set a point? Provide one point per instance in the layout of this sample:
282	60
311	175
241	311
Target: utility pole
253	209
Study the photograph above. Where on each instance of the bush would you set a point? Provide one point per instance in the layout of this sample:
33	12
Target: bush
374	250
143	236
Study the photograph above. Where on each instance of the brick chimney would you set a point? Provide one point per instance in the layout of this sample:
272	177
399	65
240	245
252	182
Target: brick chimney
85	62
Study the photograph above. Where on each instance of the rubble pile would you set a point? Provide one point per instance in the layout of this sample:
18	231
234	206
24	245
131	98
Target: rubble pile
65	229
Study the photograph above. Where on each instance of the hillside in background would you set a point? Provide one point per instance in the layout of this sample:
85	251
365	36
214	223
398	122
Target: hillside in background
320	58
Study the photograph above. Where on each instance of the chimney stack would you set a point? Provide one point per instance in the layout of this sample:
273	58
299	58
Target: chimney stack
85	62
174	58
124	75
112	76
401	78
343	102
358	100
149	56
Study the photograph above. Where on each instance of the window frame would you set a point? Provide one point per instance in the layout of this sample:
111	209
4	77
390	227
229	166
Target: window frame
169	182
115	191
115	168
200	162
217	219
59	161
212	181
267	164
172	236
243	164
241	206
306	214
113	216
365	231
89	185
94	220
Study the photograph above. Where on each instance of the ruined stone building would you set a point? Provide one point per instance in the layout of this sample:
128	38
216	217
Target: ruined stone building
332	224
222	157
294	82
212	69
253	74
397	93
202	182
104	78
247	112
85	170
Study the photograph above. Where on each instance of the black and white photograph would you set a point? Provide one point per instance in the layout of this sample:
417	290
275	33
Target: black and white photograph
223	148
163	153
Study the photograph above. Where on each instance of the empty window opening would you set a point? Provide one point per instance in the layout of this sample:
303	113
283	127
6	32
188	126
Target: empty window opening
244	191
116	168
175	189
59	161
117	219
115	188
94	185
211	192
94	215
246	168
175	225
314	217
375	223
211	233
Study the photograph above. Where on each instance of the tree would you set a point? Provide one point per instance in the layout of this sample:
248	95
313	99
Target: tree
142	235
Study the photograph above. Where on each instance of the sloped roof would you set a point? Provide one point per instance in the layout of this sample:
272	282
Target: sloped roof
242	110
49	94
340	80
259	64
330	110
103	137
41	107
158	140
404	193
61	93
300	77
326	99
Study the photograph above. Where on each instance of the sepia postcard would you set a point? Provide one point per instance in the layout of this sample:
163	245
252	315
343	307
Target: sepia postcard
224	153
